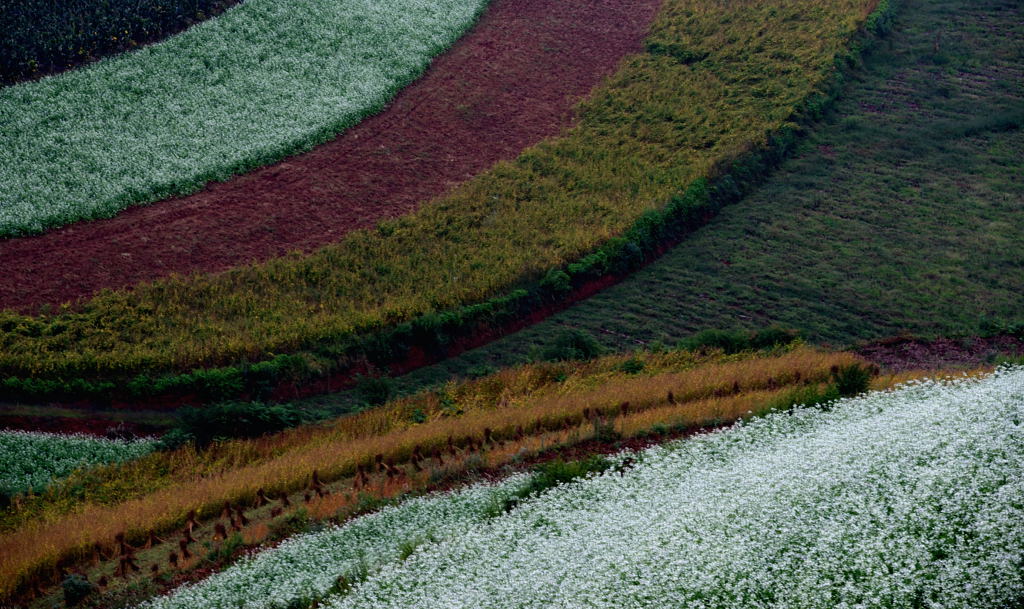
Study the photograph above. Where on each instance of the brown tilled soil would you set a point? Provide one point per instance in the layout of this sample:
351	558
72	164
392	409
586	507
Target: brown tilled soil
905	353
512	81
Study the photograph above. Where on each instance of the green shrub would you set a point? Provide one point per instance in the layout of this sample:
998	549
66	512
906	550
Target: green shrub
76	588
226	550
851	380
572	345
556	282
604	431
291	524
736	341
233	420
729	341
553	473
632	366
481	370
374	390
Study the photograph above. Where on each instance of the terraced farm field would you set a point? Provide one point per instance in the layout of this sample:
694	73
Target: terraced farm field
581	188
433	437
566	202
902	213
261	82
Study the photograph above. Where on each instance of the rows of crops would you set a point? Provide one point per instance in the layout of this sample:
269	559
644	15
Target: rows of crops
910	497
267	79
31	460
656	126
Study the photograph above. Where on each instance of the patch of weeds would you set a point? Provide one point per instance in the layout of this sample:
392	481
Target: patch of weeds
481	370
447	404
292	524
604	431
227	549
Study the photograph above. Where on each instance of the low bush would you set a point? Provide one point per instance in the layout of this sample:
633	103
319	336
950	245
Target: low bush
76	589
852	379
572	345
374	390
735	341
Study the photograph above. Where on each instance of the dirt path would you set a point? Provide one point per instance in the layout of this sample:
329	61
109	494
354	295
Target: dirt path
512	81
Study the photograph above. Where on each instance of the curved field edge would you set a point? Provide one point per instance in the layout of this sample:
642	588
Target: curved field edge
305	570
485	423
508	83
39	41
263	81
607	195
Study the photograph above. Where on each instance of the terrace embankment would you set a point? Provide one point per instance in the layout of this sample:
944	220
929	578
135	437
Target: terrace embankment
512	81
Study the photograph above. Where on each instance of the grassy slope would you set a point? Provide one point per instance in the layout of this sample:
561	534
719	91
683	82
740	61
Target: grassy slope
895	215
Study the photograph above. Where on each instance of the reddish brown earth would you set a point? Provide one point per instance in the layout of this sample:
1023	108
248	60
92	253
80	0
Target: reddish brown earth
907	353
512	81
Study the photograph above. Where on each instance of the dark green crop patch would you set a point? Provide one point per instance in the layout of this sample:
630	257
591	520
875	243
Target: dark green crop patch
40	38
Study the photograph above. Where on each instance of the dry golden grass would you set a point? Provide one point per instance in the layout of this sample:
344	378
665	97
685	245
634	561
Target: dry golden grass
511	400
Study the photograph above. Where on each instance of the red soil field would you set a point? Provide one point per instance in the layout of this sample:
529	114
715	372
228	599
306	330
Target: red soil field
510	82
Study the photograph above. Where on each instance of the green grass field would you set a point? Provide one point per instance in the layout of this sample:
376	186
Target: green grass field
900	212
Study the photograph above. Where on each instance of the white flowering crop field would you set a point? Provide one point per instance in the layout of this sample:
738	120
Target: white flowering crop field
266	79
907	498
30	459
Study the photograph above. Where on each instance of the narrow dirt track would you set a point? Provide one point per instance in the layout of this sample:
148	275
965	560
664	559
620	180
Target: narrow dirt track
512	81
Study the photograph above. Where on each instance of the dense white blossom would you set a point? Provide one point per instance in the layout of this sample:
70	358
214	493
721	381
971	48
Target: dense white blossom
265	79
30	459
907	498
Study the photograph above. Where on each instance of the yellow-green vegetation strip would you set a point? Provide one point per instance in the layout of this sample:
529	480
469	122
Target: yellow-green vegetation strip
114	484
719	78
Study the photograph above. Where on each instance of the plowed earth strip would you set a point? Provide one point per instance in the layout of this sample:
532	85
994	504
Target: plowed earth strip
509	83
